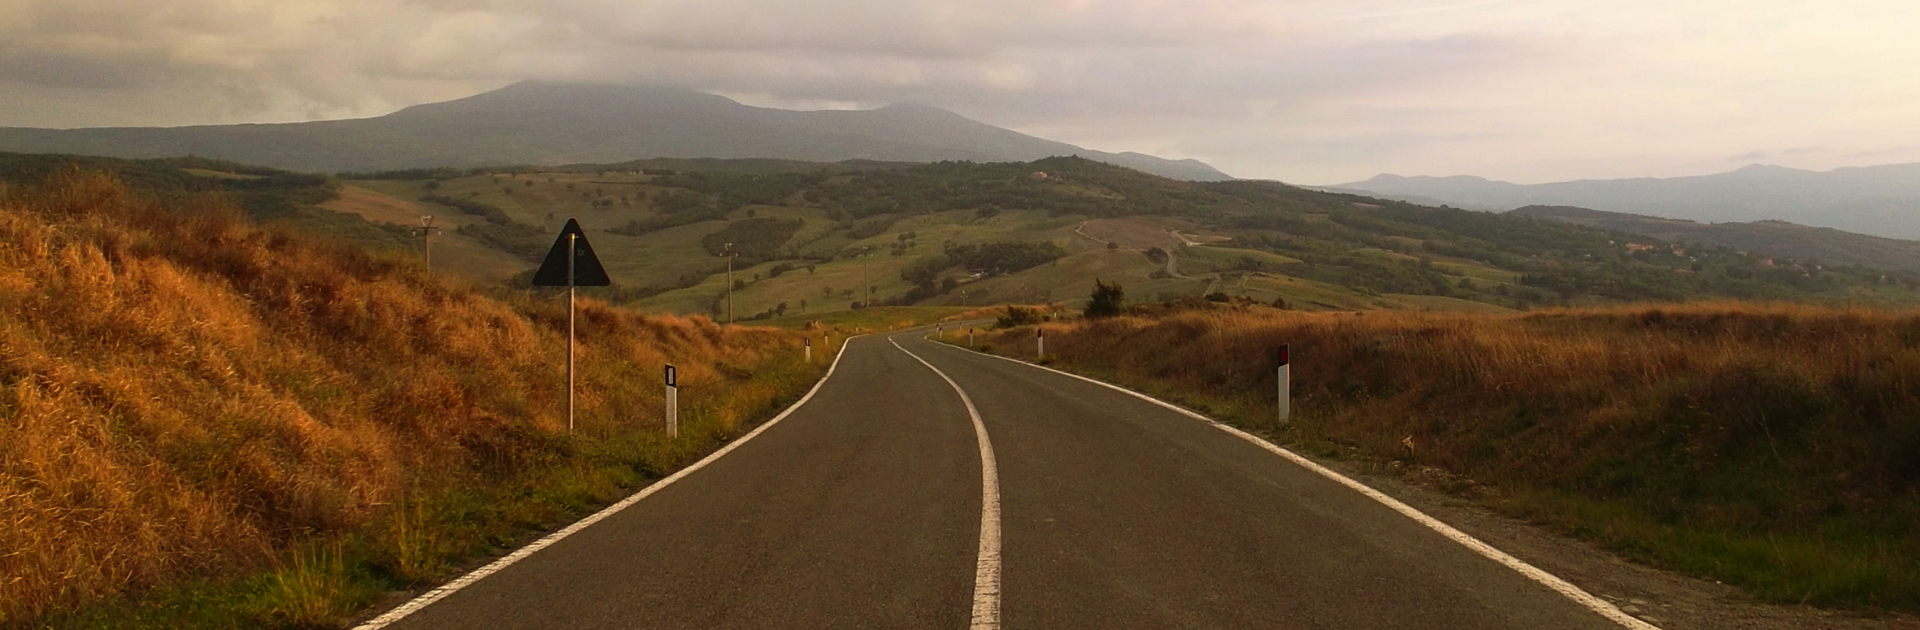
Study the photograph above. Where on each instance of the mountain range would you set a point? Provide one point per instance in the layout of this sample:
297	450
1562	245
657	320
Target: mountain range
1763	238
546	123
1882	200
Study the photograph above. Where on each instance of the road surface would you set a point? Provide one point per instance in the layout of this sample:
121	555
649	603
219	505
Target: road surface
868	506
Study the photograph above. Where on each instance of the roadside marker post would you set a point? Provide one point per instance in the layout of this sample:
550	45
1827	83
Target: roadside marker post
969	337
1286	386
673	403
808	342
1041	337
571	263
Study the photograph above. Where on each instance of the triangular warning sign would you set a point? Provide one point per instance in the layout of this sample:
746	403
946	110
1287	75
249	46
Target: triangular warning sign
587	271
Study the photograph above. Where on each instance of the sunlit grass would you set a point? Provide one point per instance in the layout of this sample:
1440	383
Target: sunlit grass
214	424
1772	446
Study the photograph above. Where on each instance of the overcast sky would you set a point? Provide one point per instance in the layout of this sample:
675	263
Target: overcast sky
1305	91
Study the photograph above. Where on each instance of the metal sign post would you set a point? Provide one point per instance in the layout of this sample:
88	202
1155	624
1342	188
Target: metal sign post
1286	386
673	403
571	263
572	242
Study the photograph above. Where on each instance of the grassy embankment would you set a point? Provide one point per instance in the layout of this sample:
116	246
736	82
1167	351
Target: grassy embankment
209	424
1775	447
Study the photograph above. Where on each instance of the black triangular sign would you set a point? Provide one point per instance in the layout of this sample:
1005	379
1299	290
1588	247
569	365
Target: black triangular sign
587	271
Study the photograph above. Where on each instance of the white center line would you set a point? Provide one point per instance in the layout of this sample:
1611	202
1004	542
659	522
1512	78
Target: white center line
986	576
1566	589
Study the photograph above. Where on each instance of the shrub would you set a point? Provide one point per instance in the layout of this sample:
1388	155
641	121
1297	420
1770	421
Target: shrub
1108	300
1019	316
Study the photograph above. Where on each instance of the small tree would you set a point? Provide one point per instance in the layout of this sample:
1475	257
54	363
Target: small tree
1018	316
1108	300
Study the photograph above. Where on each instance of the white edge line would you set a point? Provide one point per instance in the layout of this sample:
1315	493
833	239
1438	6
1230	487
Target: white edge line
986	576
429	597
1563	587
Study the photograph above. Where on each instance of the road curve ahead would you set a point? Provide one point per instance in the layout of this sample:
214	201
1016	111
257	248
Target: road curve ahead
869	507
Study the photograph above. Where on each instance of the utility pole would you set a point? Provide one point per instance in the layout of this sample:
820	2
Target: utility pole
866	276
729	252
426	232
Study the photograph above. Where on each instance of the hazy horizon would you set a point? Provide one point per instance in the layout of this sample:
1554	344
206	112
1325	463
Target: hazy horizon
1309	91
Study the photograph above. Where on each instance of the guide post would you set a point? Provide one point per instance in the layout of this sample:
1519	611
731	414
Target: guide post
673	403
1286	386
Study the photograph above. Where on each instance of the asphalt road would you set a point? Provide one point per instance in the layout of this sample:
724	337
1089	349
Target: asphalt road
863	509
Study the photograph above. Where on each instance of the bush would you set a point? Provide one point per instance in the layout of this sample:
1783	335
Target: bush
1108	300
1019	316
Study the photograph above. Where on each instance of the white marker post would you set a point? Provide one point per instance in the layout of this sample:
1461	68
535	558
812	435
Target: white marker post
1041	337
808	342
970	337
673	404
1286	386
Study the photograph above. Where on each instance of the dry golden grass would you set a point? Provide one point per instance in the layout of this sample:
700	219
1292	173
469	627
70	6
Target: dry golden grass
185	395
1773	445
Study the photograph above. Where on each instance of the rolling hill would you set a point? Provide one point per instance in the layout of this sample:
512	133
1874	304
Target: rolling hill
914	234
1878	200
1769	238
816	238
565	123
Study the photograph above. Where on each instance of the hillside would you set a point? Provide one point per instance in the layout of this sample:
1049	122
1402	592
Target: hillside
565	123
815	238
1766	238
1161	238
215	424
1876	200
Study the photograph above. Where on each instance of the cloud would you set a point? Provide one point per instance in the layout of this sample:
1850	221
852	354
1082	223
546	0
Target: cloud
1306	90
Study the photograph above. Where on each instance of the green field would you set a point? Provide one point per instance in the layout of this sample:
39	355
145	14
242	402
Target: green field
860	230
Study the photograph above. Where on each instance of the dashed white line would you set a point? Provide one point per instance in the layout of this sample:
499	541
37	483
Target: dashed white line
1549	580
428	598
986	576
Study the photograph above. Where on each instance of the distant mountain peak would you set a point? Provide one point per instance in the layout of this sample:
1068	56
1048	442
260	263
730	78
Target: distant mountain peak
1767	170
540	122
910	106
1868	199
1390	177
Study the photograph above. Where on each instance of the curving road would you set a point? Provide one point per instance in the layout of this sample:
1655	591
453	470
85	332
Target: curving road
868	506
